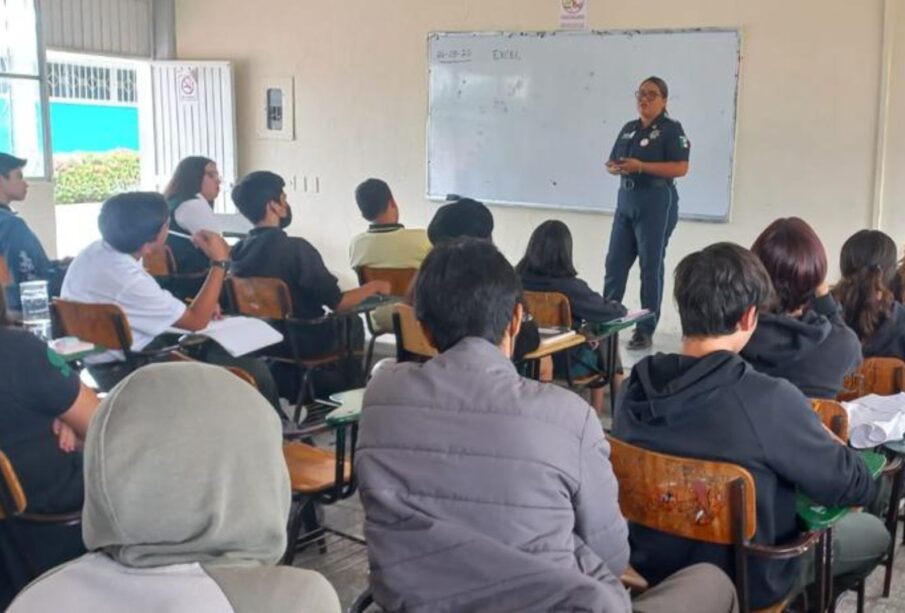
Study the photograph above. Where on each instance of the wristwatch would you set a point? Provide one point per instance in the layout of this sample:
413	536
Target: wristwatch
224	264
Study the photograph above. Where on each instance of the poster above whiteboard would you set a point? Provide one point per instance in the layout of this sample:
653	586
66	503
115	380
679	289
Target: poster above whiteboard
529	118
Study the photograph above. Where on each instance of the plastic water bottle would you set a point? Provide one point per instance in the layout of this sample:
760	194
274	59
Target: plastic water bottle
35	308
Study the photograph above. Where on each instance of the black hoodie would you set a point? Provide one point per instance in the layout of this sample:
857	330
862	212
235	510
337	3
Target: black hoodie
889	339
586	304
813	352
718	407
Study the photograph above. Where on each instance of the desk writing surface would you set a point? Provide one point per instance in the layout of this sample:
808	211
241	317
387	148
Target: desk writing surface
816	516
350	403
546	349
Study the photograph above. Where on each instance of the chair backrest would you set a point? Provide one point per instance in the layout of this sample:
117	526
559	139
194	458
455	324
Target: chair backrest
833	416
102	324
682	496
243	374
884	376
411	343
12	496
549	309
264	297
400	279
5	277
159	262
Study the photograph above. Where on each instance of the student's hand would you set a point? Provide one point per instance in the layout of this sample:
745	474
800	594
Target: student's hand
218	312
212	244
66	437
379	287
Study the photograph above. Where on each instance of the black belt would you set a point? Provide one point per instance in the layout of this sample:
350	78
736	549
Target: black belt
630	183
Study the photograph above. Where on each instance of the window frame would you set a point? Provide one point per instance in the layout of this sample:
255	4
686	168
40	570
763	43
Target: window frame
41	79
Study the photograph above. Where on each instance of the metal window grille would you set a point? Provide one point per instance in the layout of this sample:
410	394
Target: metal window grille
91	83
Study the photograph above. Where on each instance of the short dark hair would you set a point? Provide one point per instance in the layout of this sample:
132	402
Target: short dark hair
714	287
9	163
130	220
795	259
549	252
187	178
373	198
865	292
254	191
464	217
465	287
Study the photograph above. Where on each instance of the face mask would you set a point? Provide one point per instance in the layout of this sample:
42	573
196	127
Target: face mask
287	220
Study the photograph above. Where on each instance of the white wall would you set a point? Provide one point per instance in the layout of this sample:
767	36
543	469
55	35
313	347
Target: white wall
38	211
807	128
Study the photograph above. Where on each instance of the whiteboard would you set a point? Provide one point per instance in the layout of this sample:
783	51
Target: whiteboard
529	118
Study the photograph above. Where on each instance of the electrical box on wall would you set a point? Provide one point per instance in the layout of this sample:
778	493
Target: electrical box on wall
275	106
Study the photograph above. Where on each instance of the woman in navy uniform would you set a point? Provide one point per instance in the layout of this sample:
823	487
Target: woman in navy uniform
649	154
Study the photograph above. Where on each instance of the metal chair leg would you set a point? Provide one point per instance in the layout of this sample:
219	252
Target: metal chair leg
860	591
292	531
369	359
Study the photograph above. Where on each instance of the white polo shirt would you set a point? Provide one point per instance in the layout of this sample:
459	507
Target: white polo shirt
102	275
197	214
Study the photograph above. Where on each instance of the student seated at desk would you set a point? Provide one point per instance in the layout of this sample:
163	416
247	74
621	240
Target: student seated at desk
387	243
186	501
868	267
44	414
109	271
190	196
547	267
269	252
20	248
708	403
497	494
462	217
802	336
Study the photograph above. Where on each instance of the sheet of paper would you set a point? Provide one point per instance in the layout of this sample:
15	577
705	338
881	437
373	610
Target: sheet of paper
238	335
874	420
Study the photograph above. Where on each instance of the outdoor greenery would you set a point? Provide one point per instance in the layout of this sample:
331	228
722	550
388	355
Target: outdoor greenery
94	177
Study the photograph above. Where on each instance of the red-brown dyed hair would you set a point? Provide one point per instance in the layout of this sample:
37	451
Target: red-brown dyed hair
794	258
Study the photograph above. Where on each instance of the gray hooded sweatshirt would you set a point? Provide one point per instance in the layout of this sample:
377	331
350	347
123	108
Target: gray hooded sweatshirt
486	491
186	500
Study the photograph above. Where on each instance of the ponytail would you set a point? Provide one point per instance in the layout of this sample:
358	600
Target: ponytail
866	300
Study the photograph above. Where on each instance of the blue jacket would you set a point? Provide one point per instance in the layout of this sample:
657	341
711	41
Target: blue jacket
24	255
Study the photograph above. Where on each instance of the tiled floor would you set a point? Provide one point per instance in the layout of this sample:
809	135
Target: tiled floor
345	564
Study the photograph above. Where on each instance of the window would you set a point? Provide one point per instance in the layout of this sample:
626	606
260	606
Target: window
91	82
23	106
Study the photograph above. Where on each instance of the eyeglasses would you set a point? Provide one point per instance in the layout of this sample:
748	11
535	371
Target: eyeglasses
649	95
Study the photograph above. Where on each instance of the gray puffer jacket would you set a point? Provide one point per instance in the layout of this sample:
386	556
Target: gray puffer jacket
486	491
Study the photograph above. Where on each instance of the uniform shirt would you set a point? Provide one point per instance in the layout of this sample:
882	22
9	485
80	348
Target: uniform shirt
38	386
270	252
190	216
663	140
196	214
24	255
102	275
389	246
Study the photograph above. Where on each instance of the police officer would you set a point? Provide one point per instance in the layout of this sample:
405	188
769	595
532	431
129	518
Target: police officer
650	152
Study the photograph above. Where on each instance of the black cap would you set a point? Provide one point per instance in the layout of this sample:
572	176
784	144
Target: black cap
464	217
10	162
